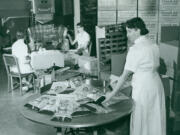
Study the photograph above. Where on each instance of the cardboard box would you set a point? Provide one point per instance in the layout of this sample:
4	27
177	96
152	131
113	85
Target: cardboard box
88	63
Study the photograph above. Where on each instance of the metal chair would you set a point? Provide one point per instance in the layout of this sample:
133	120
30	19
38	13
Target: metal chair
12	61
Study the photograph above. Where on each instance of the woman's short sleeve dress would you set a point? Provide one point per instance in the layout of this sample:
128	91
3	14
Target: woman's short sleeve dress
148	117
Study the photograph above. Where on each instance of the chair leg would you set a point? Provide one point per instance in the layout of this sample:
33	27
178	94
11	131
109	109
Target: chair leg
20	82
12	88
9	83
34	87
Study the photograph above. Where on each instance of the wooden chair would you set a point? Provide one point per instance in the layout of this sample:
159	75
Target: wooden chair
11	61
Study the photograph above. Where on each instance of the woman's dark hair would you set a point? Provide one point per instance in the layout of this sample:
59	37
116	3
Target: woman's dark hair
20	34
137	23
61	30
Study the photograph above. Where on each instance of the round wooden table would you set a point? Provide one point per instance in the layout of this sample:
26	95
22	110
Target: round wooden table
121	109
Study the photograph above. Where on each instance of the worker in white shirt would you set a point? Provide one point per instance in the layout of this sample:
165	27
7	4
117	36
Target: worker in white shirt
20	50
82	38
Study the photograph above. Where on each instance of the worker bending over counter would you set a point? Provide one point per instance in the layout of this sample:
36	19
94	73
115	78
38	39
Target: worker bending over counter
142	61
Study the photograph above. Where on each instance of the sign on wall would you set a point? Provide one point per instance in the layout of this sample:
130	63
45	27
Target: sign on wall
43	6
169	14
43	10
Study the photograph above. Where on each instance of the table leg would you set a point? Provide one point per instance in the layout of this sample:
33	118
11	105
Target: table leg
95	132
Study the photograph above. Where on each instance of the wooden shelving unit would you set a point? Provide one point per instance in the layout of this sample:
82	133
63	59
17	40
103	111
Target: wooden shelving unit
114	42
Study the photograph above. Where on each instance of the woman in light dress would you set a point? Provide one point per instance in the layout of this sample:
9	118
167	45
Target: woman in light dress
142	61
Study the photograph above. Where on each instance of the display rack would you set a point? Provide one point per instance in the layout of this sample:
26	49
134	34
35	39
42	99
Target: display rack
113	42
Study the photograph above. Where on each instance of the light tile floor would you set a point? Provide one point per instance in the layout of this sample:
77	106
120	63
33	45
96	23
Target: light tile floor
11	121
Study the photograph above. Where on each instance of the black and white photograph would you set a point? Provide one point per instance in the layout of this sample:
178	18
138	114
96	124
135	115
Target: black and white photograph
90	67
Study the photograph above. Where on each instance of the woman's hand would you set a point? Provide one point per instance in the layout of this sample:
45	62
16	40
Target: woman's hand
108	97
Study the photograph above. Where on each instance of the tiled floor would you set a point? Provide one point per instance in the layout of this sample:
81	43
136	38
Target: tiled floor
13	123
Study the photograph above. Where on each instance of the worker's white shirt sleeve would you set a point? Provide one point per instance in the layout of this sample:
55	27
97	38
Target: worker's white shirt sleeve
82	39
132	59
20	50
